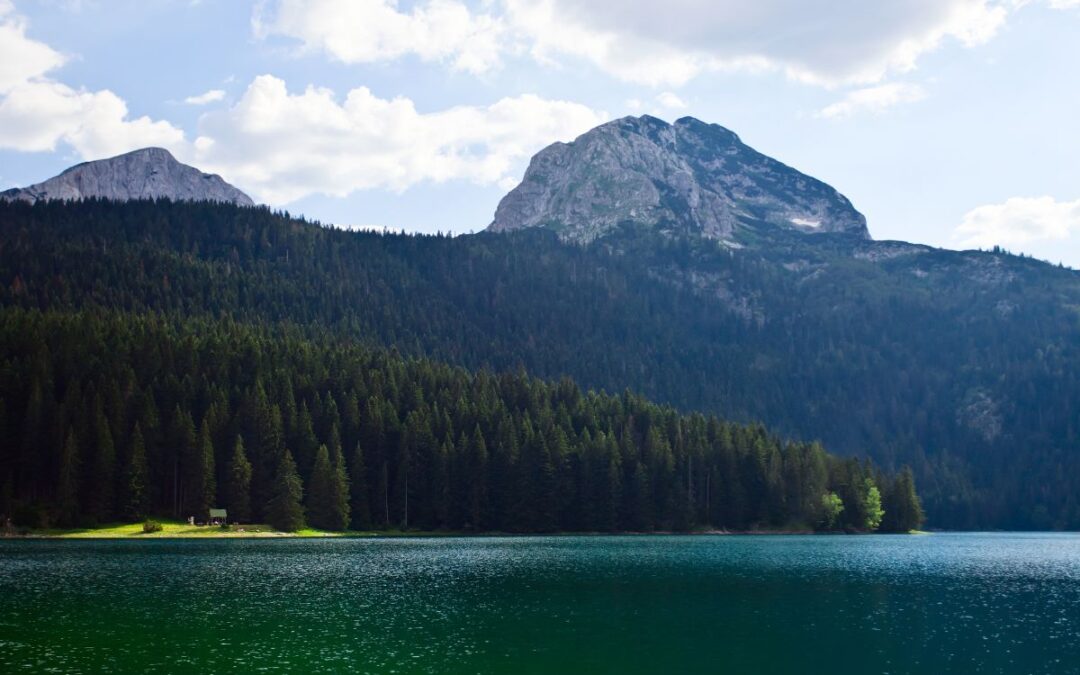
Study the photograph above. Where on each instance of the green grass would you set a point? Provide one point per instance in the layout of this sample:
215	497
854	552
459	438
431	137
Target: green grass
175	529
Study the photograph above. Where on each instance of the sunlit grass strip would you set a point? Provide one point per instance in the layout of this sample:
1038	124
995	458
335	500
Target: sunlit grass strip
171	529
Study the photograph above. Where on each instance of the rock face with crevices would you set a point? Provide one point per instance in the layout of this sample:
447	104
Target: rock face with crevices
688	175
149	173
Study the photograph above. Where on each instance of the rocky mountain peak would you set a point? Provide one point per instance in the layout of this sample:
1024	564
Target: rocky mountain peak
688	175
148	173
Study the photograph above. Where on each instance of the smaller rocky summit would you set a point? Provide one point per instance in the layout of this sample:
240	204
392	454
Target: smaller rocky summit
689	175
149	173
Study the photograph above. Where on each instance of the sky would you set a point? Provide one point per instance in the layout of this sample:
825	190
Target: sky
952	123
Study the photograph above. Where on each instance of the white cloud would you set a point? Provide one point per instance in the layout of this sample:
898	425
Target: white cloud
365	31
670	101
283	146
1017	221
37	113
21	58
874	99
212	96
1064	4
37	116
845	42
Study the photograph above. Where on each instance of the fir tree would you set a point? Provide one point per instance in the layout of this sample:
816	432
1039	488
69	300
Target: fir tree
327	494
341	488
67	497
204	483
477	470
183	443
136	476
360	505
285	512
238	485
903	510
102	478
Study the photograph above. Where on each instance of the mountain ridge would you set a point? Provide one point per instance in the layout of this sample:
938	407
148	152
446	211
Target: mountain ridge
688	176
147	173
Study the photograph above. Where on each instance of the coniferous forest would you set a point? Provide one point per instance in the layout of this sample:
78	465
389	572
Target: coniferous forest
955	364
109	416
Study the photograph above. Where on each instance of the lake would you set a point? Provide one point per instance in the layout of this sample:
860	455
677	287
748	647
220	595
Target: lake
965	603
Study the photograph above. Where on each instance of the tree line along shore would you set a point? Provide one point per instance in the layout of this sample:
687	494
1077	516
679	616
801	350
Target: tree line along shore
109	416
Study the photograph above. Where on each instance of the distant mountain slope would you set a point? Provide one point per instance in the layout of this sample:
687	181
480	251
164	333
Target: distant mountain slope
961	364
688	176
149	173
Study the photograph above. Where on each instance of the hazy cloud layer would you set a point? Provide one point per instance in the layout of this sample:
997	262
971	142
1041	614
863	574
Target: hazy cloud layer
874	99
212	96
1019	220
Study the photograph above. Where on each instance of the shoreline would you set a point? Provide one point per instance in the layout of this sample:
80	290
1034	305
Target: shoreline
177	530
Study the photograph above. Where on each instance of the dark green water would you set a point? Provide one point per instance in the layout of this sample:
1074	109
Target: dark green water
964	603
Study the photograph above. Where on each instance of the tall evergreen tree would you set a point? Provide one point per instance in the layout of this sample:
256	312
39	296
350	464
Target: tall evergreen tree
102	478
203	482
903	510
238	485
136	479
477	470
359	494
285	511
184	444
341	487
327	494
67	487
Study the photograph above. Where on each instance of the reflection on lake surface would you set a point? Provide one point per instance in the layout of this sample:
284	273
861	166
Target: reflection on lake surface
988	603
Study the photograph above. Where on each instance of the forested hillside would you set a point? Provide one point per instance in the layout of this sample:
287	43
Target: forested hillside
959	364
107	416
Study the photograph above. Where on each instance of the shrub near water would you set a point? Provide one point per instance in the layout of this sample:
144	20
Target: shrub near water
151	526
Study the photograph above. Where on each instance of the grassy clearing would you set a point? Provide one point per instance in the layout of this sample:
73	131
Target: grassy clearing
174	529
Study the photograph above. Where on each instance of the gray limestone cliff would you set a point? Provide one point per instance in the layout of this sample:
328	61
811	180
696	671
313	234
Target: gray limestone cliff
688	175
149	173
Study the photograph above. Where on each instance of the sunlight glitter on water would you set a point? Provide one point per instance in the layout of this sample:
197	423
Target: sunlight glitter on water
996	603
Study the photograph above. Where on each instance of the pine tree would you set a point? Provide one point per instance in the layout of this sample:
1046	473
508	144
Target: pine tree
304	442
285	511
183	442
361	507
612	498
327	494
136	479
67	497
263	425
903	511
341	487
238	485
477	471
102	478
204	483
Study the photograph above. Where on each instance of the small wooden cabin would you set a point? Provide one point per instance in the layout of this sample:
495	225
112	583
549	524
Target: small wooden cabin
218	517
